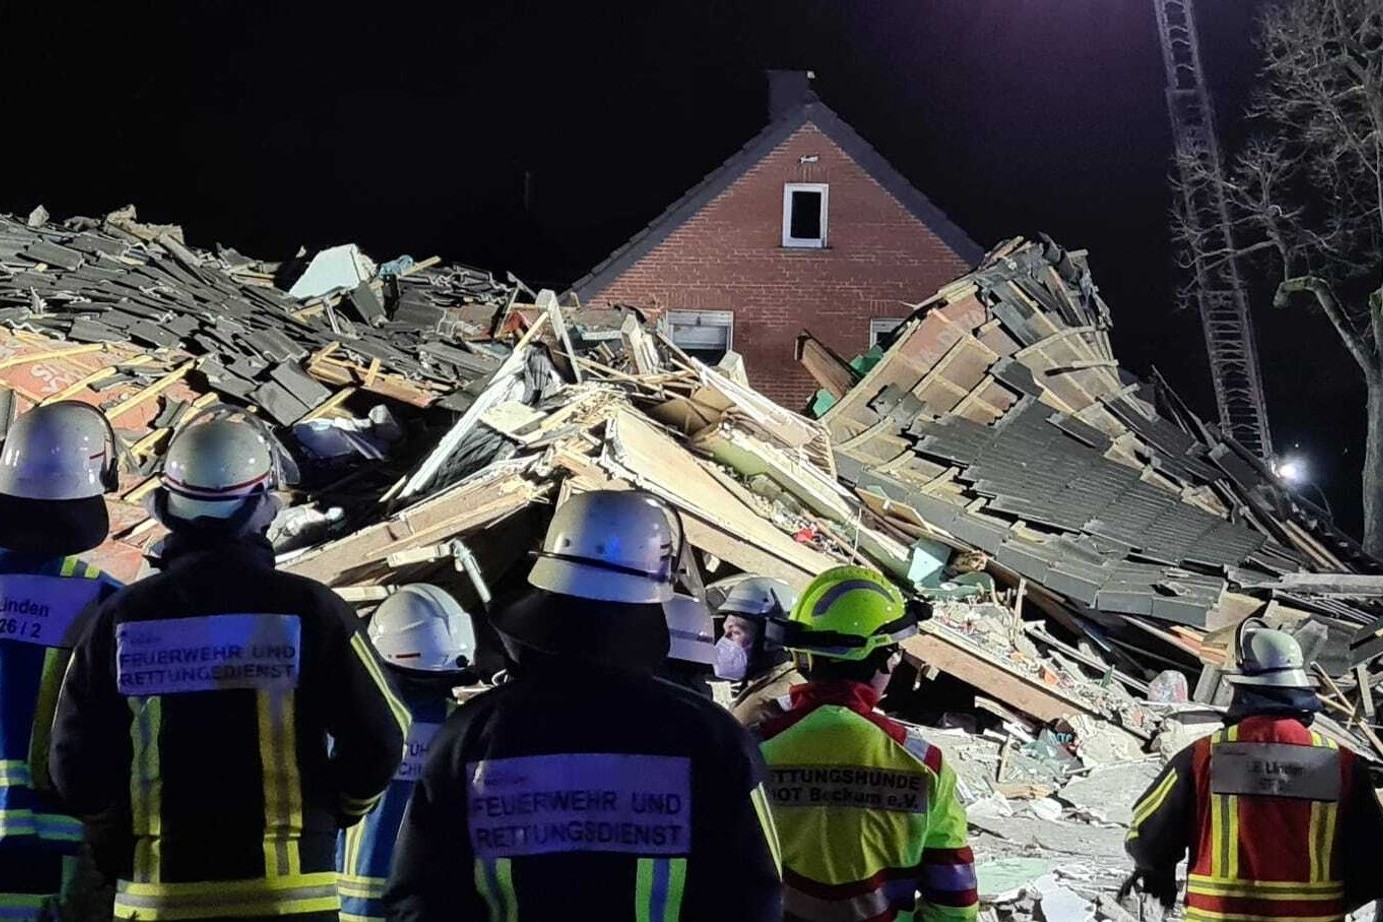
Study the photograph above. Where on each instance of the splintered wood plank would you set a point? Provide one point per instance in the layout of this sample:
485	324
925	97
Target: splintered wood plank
981	670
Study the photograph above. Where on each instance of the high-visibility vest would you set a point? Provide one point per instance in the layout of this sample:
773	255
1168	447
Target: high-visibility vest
39	599
364	851
867	814
1268	794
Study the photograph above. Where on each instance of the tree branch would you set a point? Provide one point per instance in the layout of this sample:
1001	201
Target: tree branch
1361	349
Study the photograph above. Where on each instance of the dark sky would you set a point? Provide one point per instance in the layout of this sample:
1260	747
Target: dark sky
410	129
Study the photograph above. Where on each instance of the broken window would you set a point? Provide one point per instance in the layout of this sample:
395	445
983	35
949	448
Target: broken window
707	335
804	214
881	329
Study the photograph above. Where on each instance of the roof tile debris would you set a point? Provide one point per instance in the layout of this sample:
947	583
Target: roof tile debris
1078	529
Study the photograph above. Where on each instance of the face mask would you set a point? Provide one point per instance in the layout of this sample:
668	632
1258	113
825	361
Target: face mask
732	660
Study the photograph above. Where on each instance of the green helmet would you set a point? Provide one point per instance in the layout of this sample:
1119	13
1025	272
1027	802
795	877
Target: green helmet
846	613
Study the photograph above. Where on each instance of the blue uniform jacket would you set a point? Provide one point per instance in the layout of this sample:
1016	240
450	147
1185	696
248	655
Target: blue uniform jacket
364	851
36	615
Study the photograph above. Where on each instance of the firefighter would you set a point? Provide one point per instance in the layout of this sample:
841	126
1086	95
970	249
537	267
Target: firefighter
58	462
427	640
1280	822
765	672
871	825
691	644
199	701
585	787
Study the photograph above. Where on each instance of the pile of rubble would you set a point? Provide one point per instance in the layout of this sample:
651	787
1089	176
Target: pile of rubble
1087	542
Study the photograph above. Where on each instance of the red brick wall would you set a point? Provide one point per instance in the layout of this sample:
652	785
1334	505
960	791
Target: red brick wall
729	256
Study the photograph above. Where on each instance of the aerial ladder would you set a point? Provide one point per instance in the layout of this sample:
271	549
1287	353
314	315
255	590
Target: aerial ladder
1218	287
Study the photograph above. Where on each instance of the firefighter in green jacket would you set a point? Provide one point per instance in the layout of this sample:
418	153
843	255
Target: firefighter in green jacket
867	812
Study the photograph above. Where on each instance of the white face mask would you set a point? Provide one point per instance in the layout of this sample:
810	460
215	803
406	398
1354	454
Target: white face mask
732	660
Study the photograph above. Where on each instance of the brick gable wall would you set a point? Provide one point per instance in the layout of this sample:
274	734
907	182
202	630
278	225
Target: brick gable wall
729	256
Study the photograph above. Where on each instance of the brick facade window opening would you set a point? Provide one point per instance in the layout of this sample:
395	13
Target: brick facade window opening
804	214
881	330
705	335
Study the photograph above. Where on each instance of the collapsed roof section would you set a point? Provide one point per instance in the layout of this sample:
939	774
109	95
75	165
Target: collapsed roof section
999	417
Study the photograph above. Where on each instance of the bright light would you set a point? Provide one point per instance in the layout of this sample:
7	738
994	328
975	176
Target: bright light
1292	470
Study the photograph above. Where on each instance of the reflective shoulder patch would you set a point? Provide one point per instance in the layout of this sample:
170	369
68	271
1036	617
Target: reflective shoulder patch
580	802
42	609
847	786
1275	770
415	750
208	653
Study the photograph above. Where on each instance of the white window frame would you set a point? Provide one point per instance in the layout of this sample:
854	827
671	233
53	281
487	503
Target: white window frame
806	243
722	319
879	327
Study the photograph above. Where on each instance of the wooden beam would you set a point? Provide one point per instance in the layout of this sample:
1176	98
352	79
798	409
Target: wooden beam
153	390
830	371
14	360
932	647
99	374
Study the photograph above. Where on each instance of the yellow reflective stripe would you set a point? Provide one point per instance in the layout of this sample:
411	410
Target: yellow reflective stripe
69	564
1149	804
760	801
643	890
658	886
677	882
300	893
363	888
1208	915
400	712
14	772
45	708
1252	893
1224	822
350	858
52	826
193	891
1308	889
278	758
495	882
352	917
146	786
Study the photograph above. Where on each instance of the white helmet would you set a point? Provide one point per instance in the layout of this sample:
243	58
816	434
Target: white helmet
422	627
1267	657
759	598
216	461
59	451
611	546
58	461
690	629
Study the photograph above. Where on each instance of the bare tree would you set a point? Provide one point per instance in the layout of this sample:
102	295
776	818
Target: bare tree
1305	193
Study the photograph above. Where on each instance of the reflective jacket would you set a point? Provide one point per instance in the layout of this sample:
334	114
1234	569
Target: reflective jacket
198	706
364	851
40	599
867	814
1279	821
580	792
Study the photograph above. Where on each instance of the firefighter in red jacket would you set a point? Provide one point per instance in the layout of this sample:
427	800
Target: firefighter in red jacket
1280	822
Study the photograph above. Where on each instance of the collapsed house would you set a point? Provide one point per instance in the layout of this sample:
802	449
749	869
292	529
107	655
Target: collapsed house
1089	545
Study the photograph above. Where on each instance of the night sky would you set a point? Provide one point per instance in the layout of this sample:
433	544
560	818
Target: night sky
270	126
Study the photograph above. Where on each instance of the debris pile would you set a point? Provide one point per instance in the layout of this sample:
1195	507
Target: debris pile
1089	545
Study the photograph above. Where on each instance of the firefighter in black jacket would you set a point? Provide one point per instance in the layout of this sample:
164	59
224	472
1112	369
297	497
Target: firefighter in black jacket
586	787
197	707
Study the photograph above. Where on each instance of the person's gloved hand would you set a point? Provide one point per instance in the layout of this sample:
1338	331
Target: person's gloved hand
1161	885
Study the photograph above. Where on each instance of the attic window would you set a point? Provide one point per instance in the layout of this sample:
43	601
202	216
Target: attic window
881	329
804	214
707	335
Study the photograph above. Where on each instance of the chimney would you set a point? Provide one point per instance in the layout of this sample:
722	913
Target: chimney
786	90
